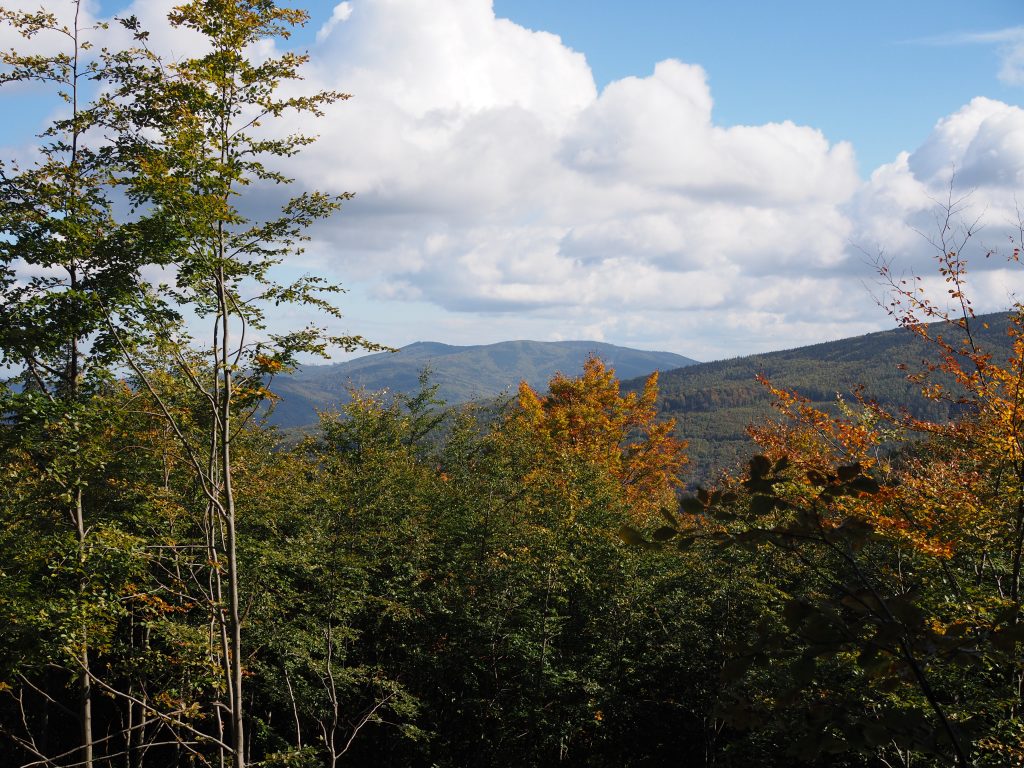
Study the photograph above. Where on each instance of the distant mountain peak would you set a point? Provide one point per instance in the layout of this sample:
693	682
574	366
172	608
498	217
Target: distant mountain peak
462	373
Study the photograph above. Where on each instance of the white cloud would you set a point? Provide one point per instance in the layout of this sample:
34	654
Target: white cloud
340	14
501	195
973	160
493	177
1010	44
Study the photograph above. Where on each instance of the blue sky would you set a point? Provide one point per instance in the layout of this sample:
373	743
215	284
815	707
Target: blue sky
707	178
876	73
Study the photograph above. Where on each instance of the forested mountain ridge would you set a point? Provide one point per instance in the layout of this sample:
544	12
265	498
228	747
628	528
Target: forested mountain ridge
462	373
713	403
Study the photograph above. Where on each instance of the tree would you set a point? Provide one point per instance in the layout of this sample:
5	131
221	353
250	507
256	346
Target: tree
587	419
203	143
906	534
182	140
68	269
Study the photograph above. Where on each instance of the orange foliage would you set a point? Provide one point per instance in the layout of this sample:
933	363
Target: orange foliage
933	506
977	484
588	418
962	486
822	439
266	364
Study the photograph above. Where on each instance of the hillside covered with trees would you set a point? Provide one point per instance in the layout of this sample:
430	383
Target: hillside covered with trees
714	403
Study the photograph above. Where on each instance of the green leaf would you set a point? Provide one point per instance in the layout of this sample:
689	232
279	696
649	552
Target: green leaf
796	611
853	530
632	537
905	611
889	633
817	478
1005	638
865	484
759	467
762	504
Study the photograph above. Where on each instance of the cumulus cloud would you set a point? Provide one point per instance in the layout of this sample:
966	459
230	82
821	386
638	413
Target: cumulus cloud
493	177
971	165
501	194
494	180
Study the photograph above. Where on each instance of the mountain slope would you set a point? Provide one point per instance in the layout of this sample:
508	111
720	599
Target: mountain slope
714	402
461	373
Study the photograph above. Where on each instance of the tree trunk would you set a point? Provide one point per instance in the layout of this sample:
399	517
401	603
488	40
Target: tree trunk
235	680
85	687
71	393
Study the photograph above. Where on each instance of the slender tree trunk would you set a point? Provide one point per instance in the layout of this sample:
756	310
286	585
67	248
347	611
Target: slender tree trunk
235	681
71	392
85	688
295	707
215	584
85	691
218	621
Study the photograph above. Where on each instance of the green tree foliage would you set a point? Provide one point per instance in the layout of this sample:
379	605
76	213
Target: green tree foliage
180	140
480	611
205	140
68	273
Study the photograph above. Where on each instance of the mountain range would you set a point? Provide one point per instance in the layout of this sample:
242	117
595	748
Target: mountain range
712	403
462	374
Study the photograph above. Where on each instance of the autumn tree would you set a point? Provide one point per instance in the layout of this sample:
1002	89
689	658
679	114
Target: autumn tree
908	533
587	419
478	574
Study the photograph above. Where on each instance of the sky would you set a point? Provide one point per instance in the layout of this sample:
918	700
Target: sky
711	179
